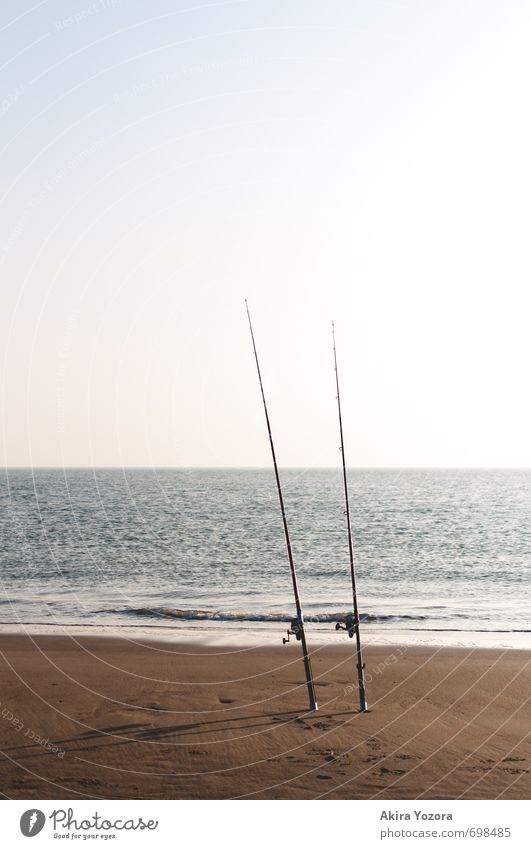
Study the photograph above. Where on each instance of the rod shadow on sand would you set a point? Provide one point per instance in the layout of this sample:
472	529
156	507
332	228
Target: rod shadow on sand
141	733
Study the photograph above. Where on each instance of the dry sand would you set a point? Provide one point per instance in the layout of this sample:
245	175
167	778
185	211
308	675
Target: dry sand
164	720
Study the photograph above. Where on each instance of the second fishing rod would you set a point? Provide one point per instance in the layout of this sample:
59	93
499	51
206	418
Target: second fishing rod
351	622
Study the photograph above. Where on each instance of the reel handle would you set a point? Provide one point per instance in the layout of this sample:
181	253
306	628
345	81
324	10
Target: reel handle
347	624
293	631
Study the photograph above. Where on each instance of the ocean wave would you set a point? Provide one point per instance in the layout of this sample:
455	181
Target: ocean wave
65	624
195	614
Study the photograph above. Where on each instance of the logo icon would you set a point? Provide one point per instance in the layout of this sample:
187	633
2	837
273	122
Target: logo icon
31	822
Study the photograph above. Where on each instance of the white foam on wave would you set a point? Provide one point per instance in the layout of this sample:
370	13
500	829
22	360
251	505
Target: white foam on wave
261	634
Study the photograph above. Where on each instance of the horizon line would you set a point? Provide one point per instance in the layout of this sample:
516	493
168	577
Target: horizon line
266	468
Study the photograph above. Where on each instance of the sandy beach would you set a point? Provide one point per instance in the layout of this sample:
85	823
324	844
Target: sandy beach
99	717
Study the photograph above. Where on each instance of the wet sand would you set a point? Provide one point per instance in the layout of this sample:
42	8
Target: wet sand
96	717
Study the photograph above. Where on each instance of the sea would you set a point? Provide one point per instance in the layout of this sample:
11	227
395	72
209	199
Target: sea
441	556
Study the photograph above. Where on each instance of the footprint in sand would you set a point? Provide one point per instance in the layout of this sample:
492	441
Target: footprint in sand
385	771
328	754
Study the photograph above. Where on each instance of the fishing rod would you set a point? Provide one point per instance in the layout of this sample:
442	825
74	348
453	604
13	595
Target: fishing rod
296	628
351	622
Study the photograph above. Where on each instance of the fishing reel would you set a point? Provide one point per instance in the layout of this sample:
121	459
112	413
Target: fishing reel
294	630
347	624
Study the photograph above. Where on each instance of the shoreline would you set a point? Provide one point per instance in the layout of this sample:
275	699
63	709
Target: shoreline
257	635
107	717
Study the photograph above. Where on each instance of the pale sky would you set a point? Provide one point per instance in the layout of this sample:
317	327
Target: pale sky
365	161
